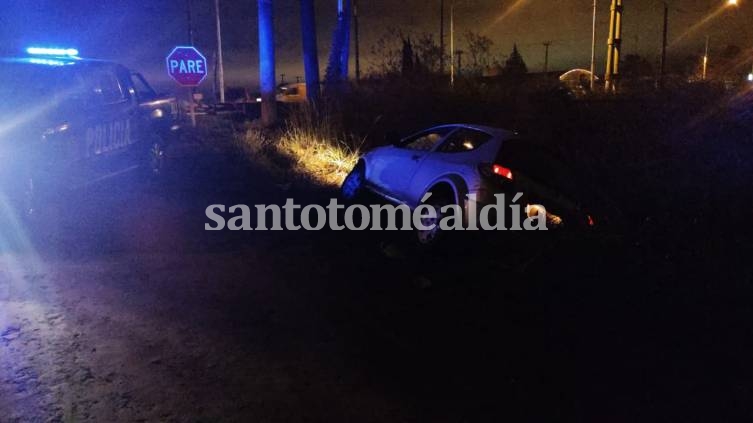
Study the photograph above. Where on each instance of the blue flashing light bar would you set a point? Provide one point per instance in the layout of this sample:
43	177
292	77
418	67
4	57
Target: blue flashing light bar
48	62
46	51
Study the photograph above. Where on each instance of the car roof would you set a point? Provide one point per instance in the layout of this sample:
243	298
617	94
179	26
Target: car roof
496	132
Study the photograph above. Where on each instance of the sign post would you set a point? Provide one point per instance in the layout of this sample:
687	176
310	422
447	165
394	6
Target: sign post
188	67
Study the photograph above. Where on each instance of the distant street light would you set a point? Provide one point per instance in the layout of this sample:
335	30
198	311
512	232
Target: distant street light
705	59
663	62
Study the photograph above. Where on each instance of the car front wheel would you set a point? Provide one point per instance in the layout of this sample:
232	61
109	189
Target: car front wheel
353	185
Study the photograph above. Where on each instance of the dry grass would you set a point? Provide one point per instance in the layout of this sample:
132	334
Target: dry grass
310	144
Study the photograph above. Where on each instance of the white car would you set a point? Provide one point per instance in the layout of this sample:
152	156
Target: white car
453	161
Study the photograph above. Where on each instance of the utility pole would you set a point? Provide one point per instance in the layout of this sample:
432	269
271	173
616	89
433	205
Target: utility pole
357	41
663	63
267	63
593	48
460	53
705	59
191	91
441	37
546	55
310	50
220	65
614	43
452	45
189	15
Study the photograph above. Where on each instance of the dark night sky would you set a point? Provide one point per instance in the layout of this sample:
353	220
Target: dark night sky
139	33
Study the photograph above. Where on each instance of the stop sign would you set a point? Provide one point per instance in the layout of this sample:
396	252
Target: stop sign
187	66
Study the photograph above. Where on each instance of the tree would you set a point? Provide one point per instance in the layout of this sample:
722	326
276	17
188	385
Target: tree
267	63
429	53
729	62
389	54
386	54
514	65
408	58
310	52
479	49
635	66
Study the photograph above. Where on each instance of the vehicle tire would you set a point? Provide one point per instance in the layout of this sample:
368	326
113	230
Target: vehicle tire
352	187
155	158
25	198
33	214
428	239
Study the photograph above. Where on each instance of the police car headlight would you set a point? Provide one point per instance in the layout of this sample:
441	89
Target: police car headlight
55	130
157	114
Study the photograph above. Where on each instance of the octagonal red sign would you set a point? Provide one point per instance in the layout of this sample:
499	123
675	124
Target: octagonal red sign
187	66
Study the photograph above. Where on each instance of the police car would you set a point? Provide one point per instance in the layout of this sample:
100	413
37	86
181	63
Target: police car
68	122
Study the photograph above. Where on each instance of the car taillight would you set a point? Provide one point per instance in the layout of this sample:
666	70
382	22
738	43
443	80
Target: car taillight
496	170
502	171
590	220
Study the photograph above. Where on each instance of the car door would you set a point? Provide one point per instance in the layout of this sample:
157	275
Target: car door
109	129
398	164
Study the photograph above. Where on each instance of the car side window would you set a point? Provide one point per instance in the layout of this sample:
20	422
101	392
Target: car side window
103	87
425	141
464	140
144	91
110	89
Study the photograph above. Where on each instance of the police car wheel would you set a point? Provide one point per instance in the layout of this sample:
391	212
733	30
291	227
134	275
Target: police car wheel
24	200
29	206
156	159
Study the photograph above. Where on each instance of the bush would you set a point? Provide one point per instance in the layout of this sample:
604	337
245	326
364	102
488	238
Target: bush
310	144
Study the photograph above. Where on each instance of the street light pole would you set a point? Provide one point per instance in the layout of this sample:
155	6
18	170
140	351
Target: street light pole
189	16
452	44
705	59
593	47
441	37
220	65
191	91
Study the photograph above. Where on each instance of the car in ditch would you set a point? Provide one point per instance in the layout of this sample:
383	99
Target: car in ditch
68	122
467	165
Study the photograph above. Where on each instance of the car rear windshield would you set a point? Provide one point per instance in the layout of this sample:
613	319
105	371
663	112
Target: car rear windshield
525	157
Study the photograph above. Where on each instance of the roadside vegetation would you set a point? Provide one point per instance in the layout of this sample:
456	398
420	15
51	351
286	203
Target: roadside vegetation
311	144
671	161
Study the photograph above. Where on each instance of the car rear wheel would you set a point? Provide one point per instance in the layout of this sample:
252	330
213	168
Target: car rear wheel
432	237
352	187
